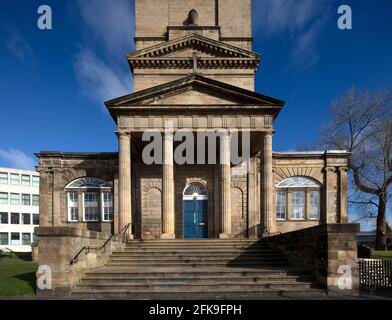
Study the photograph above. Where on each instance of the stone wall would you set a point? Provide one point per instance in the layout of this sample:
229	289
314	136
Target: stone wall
233	16
329	169
323	250
59	245
57	170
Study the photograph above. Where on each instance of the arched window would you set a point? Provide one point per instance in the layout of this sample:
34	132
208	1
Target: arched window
298	198
195	190
88	182
91	196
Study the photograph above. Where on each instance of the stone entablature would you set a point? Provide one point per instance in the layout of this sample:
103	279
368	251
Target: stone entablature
174	59
195	123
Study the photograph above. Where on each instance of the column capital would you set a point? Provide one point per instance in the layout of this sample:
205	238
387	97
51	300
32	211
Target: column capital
122	133
43	170
269	133
330	169
344	169
168	135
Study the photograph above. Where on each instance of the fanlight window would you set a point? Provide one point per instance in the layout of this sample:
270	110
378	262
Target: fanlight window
298	198
298	182
195	189
89	200
88	182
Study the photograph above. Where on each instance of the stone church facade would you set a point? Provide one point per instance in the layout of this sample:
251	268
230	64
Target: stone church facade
193	68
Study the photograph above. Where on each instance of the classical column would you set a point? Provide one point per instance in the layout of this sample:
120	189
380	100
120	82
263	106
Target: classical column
343	196
124	182
267	191
330	195
45	220
225	163
57	189
168	188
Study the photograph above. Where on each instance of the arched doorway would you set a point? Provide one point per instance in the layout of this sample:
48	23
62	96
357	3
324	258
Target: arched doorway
195	214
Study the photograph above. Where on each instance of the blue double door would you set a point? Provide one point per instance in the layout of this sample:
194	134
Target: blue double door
195	219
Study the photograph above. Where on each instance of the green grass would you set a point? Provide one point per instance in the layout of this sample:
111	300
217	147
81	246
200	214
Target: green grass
382	254
17	276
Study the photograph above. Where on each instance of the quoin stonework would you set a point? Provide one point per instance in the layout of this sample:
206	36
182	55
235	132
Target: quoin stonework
193	68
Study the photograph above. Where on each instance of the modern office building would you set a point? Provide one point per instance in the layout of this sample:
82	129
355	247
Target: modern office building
19	209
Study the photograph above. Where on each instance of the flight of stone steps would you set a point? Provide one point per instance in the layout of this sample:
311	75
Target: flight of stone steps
197	269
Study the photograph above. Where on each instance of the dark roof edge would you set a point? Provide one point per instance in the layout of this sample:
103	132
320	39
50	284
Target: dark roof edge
312	154
42	154
194	77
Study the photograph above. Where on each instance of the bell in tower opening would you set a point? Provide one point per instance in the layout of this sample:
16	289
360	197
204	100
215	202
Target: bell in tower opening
192	19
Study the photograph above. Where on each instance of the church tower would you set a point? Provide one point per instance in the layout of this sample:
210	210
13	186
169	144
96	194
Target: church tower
212	38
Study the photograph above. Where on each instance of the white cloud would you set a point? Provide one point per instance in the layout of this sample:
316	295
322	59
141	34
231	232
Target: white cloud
100	64
15	43
97	80
15	158
110	24
300	21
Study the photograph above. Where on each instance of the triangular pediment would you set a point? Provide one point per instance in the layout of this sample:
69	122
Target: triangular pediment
196	95
193	91
190	43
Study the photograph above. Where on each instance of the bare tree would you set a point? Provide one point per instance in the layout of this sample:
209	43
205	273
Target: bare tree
362	124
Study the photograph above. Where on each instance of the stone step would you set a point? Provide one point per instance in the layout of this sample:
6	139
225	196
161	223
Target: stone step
197	251
206	271
190	248
182	256
231	269
211	295
196	286
195	264
217	241
98	279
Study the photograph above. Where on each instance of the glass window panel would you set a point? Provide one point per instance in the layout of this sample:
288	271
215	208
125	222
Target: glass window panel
35	200
35	238
298	182
15	239
4	238
26	218
3	198
14	179
315	205
25	199
3	178
3	217
91	206
15	199
25	180
88	182
298	205
73	206
107	206
281	205
26	239
36	219
35	181
15	218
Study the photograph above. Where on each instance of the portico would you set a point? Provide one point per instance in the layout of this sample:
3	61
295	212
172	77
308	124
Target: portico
194	72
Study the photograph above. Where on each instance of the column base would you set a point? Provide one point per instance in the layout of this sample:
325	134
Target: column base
225	236
130	236
167	236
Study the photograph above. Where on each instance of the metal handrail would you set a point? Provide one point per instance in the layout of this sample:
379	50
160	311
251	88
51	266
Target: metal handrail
103	247
269	232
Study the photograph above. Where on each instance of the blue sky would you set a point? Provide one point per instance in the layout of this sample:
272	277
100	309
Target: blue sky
54	82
